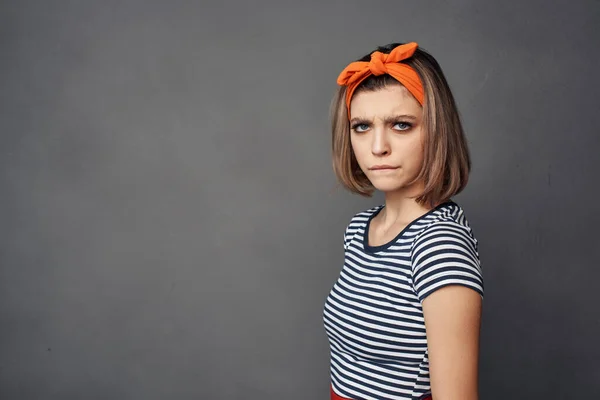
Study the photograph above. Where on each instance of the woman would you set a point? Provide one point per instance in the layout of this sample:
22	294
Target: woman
403	318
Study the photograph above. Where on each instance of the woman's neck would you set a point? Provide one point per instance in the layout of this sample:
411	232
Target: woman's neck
401	207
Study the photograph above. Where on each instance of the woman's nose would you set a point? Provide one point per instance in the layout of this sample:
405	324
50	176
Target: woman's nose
380	145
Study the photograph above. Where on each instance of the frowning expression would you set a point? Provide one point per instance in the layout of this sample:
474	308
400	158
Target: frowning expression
386	137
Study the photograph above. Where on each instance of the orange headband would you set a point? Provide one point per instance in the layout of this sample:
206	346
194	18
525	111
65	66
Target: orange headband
380	64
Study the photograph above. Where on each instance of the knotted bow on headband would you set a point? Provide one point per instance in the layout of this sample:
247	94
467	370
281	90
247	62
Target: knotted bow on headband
380	64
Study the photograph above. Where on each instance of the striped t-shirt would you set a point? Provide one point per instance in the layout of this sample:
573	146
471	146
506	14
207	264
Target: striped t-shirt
373	315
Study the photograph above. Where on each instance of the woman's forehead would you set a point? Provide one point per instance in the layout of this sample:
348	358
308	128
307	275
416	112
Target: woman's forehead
381	103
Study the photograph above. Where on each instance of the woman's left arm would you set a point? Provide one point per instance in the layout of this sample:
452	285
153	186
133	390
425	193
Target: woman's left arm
452	321
448	280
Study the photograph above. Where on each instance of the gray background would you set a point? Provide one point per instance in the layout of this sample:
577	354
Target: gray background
170	225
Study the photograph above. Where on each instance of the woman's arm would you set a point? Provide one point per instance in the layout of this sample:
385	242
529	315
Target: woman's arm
452	321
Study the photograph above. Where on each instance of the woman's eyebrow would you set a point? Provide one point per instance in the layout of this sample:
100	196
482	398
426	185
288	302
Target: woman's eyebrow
387	119
396	118
357	120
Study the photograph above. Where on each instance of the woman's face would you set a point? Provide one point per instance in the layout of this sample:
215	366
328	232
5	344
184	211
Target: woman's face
386	136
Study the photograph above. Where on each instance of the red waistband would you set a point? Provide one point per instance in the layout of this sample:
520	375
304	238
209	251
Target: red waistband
335	396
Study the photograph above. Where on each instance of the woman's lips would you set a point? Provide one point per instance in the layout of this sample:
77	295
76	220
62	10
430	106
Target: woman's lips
383	168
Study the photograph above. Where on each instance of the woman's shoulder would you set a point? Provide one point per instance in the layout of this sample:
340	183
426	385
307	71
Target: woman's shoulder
448	219
358	222
363	216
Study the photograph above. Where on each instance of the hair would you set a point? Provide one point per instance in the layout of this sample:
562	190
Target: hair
446	158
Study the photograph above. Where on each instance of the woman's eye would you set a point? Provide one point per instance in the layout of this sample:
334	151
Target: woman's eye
360	127
402	126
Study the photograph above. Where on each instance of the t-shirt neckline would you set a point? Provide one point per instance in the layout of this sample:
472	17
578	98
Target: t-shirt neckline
374	249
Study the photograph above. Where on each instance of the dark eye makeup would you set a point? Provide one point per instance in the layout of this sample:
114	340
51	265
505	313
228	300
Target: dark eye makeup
361	126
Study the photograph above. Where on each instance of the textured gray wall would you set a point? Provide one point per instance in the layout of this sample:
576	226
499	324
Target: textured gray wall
169	223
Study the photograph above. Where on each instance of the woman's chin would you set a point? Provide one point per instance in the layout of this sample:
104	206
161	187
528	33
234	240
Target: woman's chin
393	184
385	185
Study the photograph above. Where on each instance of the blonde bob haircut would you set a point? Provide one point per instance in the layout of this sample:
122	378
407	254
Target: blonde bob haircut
446	159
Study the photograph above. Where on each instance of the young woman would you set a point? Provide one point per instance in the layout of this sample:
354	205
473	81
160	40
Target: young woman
403	318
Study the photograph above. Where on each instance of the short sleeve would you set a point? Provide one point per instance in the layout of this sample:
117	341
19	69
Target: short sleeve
445	253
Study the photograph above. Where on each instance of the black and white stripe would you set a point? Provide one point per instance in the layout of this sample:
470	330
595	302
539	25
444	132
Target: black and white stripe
373	315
